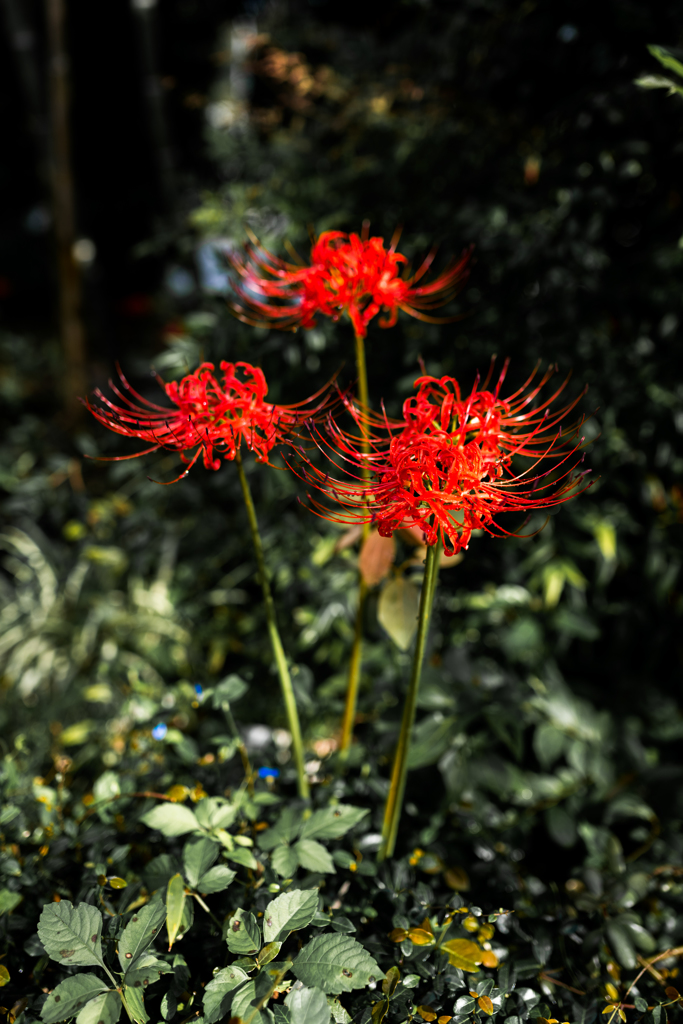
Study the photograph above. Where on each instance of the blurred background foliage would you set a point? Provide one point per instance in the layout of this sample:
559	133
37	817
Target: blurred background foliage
546	777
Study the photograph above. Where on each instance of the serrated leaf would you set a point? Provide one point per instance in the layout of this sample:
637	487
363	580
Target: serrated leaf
284	861
216	879
243	934
289	912
175	905
313	856
72	935
69	996
199	853
215	812
104	1009
217	991
308	1006
135	1004
247	998
397	610
283	831
171	819
339	1013
242	856
159	870
335	963
146	970
332	822
139	932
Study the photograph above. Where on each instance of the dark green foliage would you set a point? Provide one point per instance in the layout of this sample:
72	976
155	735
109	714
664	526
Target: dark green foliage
545	785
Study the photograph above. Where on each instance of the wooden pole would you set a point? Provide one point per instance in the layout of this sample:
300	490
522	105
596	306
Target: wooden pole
63	212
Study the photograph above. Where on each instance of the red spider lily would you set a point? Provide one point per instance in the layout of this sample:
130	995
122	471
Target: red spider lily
210	415
446	468
349	274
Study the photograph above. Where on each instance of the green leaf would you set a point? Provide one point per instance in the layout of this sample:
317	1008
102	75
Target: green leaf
283	831
9	901
171	819
397	610
216	992
139	932
243	934
216	880
666	59
146	970
135	1004
72	935
175	904
284	861
104	1009
313	856
215	812
308	1006
242	856
335	963
159	870
199	853
620	941
69	996
339	1013
332	822
289	912
247	998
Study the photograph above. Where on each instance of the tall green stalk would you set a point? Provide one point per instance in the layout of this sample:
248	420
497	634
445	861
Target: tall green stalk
274	635
399	771
357	649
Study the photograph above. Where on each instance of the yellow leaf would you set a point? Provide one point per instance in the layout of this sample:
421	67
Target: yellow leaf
609	1008
489	958
376	558
611	991
443	1020
485	1004
457	878
426	1012
421	937
485	932
398	934
117	883
390	981
397	609
175	903
464	954
4	975
470	924
178	794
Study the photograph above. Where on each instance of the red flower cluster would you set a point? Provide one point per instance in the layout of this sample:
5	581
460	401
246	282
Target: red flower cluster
348	274
211	415
447	467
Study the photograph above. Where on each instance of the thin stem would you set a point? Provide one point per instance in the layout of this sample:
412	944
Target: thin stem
357	649
399	771
241	746
274	635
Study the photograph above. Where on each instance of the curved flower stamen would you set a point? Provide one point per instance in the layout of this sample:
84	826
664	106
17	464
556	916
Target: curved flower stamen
446	468
211	415
348	274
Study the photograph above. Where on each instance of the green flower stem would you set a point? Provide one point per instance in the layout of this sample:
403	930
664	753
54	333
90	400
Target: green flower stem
275	641
357	649
399	771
